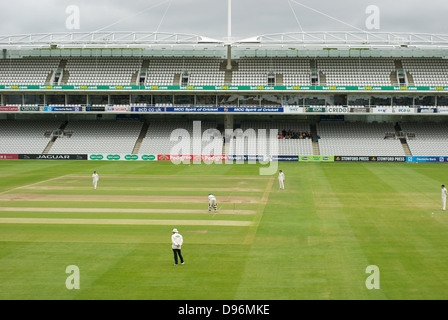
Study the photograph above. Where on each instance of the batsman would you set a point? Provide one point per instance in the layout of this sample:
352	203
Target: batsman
212	203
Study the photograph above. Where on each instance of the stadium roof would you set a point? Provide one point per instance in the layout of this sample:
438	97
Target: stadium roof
347	38
278	44
102	39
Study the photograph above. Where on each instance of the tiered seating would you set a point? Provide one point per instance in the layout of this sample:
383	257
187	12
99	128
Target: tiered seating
255	72
99	137
427	72
357	72
210	72
157	140
285	146
29	71
201	72
102	71
21	137
430	138
357	139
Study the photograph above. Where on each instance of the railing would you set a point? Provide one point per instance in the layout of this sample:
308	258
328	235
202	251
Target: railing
58	134
400	135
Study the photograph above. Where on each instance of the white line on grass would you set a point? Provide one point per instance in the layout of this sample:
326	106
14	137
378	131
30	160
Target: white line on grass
226	223
119	210
33	184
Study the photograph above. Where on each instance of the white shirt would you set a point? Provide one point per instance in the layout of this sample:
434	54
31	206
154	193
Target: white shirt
95	177
281	176
177	239
211	198
444	191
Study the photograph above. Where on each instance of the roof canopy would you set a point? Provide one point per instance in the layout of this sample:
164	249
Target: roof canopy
295	44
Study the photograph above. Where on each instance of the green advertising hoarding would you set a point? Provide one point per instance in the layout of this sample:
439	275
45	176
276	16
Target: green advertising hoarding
316	158
123	157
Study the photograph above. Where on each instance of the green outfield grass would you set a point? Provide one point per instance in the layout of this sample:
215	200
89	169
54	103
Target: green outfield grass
313	240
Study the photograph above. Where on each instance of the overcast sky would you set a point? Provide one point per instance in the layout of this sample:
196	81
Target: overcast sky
209	17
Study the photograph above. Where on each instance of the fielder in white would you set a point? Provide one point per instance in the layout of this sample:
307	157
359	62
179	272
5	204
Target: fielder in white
444	192
95	178
212	203
281	180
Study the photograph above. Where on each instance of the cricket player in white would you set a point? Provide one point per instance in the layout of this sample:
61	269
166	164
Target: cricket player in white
444	192
281	179
212	203
95	179
176	243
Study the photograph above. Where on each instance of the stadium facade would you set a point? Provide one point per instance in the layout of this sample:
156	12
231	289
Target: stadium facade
331	95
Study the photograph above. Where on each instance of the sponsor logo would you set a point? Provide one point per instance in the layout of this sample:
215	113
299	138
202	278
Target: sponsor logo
370	159
53	156
96	157
149	157
163	158
131	157
9	156
113	157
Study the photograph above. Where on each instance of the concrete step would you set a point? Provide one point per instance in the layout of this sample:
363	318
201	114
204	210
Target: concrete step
139	141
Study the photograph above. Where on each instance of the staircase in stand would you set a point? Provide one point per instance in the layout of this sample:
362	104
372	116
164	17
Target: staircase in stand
54	138
405	146
142	136
316	150
49	145
403	140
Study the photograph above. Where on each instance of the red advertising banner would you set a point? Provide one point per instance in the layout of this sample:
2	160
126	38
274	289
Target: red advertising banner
214	158
163	157
9	156
6	109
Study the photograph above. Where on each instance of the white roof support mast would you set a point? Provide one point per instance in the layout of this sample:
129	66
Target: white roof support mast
229	35
229	21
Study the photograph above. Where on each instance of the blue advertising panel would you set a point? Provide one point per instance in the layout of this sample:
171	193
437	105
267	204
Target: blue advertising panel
426	159
189	109
63	109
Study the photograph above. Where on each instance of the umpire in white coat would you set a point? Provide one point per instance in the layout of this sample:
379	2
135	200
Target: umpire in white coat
176	243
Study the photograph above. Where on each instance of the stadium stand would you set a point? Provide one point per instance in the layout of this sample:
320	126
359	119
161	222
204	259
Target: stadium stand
258	72
430	138
357	72
101	71
158	138
27	71
24	136
99	137
345	138
285	146
186	71
212	72
427	72
357	139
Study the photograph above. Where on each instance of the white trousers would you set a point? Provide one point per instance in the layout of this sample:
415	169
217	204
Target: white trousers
281	183
95	183
444	203
212	203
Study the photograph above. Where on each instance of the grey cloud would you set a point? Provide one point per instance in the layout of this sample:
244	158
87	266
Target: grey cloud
209	17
